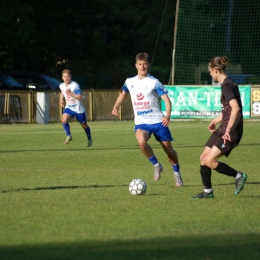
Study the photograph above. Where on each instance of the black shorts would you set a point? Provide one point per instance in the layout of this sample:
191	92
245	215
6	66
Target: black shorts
217	140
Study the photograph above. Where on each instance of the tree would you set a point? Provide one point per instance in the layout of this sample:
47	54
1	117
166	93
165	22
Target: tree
16	31
89	37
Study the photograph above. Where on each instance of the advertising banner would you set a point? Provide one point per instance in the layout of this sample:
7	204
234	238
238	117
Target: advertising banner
201	102
255	107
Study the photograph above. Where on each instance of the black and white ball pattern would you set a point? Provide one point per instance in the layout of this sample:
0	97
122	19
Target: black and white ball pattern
137	187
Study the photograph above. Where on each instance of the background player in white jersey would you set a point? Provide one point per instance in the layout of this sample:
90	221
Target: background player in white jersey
145	91
71	92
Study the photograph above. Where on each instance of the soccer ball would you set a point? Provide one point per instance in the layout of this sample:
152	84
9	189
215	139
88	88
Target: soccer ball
137	187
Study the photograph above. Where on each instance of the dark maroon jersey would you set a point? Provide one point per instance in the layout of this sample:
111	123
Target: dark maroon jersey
229	91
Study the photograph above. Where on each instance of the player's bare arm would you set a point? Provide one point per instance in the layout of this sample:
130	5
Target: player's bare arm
212	126
233	118
168	104
62	100
120	100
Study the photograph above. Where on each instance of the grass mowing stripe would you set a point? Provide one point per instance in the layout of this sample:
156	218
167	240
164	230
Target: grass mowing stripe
72	202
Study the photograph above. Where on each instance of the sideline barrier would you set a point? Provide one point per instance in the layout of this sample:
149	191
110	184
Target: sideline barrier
255	101
201	102
188	102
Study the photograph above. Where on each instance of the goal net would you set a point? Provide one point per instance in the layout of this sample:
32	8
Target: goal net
206	29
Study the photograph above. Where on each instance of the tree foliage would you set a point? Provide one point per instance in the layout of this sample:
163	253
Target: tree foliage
17	31
89	37
102	37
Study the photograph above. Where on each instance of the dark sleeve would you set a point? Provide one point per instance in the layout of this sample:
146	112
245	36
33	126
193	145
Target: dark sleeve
229	91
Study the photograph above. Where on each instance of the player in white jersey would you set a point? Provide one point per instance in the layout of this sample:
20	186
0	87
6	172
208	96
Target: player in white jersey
71	92
145	91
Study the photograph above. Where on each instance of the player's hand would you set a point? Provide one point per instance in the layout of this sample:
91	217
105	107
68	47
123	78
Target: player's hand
211	127
68	91
115	111
61	103
165	121
226	137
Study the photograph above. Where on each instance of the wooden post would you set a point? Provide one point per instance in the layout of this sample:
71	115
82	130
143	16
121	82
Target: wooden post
174	41
90	105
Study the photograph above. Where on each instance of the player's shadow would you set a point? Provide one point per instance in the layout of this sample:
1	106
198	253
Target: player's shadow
192	246
216	184
232	183
58	188
129	147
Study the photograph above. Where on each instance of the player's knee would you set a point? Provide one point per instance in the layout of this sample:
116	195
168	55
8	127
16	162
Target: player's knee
171	153
209	163
203	160
142	143
65	118
85	126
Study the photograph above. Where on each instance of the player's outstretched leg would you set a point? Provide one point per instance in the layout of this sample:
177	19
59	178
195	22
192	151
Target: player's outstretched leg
173	159
88	133
240	182
66	127
178	179
68	139
90	142
177	175
204	195
158	168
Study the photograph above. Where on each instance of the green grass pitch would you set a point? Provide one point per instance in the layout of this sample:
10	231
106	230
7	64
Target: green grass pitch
72	202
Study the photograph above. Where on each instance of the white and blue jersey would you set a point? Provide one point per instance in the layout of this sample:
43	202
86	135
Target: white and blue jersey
72	103
144	95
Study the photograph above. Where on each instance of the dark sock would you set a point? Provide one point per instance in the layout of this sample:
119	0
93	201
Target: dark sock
225	169
66	127
176	167
153	160
205	173
88	133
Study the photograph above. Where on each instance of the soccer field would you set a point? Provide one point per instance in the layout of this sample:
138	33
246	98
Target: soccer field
72	202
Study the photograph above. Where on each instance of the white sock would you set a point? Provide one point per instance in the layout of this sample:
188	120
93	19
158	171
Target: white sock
156	165
208	190
177	174
238	175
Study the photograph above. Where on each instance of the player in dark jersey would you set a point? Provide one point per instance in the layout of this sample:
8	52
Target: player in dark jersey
227	136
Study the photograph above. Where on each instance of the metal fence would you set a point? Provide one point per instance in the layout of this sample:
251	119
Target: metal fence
43	107
206	29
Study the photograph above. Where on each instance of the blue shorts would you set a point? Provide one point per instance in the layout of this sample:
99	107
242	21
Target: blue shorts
80	117
160	132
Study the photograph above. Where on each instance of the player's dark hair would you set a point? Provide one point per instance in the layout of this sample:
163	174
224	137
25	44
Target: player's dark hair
219	63
142	56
